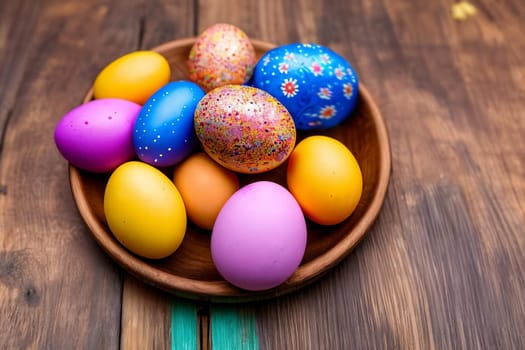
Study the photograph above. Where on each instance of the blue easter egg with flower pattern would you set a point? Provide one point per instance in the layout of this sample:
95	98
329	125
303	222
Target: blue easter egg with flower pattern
163	134
317	86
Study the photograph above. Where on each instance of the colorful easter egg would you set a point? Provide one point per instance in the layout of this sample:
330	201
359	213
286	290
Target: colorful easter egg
134	76
317	86
221	55
244	129
325	178
97	136
144	210
259	237
204	186
163	133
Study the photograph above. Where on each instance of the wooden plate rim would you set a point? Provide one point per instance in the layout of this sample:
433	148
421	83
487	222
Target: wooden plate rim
222	291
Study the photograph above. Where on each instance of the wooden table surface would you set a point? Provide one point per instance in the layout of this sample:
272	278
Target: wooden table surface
442	268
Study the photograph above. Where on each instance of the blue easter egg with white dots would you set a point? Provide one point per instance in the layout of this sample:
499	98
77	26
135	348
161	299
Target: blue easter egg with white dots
317	86
164	134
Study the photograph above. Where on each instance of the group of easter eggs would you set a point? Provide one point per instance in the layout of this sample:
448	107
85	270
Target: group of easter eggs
174	149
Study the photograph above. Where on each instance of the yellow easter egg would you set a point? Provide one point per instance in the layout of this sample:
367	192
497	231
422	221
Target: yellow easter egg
144	210
134	77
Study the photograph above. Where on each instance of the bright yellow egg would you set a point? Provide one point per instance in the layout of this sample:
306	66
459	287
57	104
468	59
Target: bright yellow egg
144	210
325	179
134	77
205	186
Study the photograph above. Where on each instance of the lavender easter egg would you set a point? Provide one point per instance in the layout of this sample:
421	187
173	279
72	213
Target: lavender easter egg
97	136
317	86
244	129
163	134
259	237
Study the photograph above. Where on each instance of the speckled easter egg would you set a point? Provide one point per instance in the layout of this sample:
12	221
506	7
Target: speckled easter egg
317	86
163	133
221	55
244	129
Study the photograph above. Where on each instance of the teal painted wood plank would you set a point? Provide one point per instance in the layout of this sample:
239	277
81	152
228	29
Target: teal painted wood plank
184	326
232	328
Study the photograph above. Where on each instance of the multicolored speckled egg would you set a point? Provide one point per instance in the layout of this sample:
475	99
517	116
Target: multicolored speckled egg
245	129
317	86
221	55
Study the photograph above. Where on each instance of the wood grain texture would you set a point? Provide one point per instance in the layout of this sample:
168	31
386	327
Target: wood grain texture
56	288
232	328
442	268
145	315
13	56
187	326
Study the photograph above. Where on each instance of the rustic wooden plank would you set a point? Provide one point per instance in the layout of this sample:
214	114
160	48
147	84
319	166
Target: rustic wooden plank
146	315
114	29
165	323
233	328
279	22
57	289
13	54
186	332
164	21
443	266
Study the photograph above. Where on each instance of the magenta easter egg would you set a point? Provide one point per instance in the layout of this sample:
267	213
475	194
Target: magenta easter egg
244	129
259	237
97	136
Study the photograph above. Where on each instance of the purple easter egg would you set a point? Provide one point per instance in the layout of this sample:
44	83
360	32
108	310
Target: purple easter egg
97	136
259	237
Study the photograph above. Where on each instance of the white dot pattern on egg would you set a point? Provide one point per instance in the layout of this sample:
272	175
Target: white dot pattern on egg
163	133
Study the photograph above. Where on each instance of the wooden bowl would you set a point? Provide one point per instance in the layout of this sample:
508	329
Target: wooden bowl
190	271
